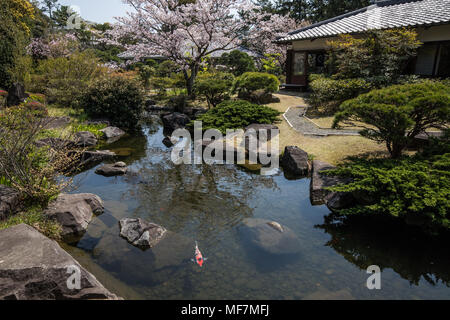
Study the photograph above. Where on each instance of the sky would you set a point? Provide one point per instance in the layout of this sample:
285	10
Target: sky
98	10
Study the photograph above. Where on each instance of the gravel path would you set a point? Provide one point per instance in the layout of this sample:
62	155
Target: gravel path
295	118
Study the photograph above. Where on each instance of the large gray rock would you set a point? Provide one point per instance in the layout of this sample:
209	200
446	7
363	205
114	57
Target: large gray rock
320	181
74	212
33	267
295	162
113	132
16	95
111	170
92	158
141	233
175	121
85	139
270	236
9	201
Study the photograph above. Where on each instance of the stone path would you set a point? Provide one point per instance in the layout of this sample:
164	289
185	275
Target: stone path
295	117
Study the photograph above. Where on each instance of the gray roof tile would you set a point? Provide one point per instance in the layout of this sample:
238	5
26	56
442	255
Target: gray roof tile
383	15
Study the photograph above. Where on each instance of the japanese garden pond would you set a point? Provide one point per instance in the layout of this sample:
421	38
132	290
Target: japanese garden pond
209	204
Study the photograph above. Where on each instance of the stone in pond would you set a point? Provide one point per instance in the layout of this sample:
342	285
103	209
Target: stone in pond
110	170
33	267
271	236
175	121
295	162
141	233
320	181
74	212
167	142
112	132
90	158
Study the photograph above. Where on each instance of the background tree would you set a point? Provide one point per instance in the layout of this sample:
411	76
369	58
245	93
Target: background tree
186	33
380	56
238	62
49	6
326	9
17	17
311	10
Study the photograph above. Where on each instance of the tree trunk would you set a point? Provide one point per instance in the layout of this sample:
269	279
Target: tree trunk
396	150
190	79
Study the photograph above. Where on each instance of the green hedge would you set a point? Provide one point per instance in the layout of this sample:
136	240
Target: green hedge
412	189
118	99
252	81
329	94
237	114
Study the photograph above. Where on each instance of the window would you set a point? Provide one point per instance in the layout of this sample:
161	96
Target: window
443	67
299	63
425	59
433	59
316	62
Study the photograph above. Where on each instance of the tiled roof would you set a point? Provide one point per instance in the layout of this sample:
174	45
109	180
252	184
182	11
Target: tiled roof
385	14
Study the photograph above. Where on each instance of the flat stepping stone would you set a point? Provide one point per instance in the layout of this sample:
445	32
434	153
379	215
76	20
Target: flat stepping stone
111	170
295	116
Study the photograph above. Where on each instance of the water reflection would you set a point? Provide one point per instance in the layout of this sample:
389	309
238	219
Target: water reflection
412	255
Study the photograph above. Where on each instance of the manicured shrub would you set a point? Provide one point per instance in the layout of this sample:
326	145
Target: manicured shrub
379	57
64	80
215	87
238	62
237	114
415	190
398	113
39	109
119	99
328	94
252	81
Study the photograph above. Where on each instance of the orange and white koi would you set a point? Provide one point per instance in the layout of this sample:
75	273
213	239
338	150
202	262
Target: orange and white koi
198	256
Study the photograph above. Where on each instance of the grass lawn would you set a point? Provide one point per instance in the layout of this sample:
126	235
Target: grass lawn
331	149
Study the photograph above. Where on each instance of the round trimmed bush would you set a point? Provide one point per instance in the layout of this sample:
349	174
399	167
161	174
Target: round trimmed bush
237	114
119	99
252	81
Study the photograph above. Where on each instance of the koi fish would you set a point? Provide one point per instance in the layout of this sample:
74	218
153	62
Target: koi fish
198	256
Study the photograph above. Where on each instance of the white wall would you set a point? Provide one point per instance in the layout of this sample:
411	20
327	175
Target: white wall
436	33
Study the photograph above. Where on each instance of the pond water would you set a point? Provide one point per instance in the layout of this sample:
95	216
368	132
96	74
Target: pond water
209	203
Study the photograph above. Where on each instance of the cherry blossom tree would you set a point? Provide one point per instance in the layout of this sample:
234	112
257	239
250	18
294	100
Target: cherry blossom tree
188	31
53	46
